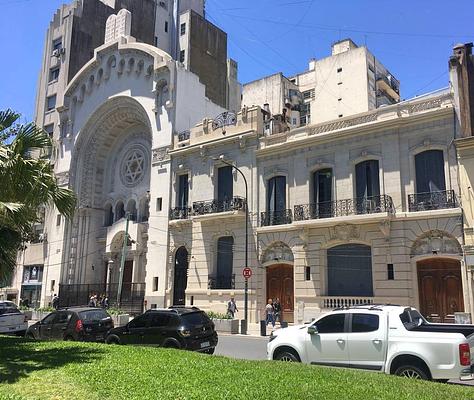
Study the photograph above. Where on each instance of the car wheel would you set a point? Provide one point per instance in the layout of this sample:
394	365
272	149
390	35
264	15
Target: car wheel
412	372
287	356
30	336
171	344
112	340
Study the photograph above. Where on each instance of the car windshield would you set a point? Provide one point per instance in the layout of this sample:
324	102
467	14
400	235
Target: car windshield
93	315
8	308
195	318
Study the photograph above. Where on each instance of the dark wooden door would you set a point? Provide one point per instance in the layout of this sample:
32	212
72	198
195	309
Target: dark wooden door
280	284
440	289
180	277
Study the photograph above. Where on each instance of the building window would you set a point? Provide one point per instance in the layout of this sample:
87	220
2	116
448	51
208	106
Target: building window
183	29
166	26
182	56
339	83
49	129
367	179
53	74
156	41
390	272
322	193
183	191
339	70
308	94
109	215
340	115
159	203
225	260
53	284
51	102
225	184
429	167
350	270
339	99
58	220
119	211
155	283
307	273
57	44
294	121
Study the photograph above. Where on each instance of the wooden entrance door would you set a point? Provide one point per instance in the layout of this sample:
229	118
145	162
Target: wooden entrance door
440	289
280	284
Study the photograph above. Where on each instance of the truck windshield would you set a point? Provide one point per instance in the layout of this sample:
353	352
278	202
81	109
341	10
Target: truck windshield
411	318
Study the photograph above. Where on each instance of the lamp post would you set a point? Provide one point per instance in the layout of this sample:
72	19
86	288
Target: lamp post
246	290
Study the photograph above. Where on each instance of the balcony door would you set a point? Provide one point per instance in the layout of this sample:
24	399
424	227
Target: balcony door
367	187
225	261
225	185
180	276
183	191
322	193
429	167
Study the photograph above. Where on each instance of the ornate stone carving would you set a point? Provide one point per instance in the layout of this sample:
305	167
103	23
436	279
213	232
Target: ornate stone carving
435	242
161	154
344	232
118	25
278	251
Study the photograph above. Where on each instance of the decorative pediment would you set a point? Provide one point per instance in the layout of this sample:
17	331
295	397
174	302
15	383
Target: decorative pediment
435	242
344	232
278	251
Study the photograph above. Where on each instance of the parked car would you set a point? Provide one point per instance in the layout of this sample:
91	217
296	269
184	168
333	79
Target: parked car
177	327
391	339
77	323
12	320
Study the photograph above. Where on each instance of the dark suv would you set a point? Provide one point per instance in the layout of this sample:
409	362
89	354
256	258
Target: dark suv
177	327
83	324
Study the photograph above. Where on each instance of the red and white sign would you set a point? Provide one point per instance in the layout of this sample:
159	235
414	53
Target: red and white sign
247	273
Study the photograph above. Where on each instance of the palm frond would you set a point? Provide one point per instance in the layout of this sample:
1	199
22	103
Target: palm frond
28	139
7	119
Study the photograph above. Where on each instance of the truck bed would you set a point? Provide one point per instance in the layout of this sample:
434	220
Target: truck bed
466	330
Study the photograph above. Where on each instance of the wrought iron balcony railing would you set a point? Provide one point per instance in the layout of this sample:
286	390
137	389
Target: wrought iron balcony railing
221	281
343	208
432	200
214	206
180	213
280	217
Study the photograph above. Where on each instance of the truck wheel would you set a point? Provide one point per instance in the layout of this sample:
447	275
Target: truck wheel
287	356
412	372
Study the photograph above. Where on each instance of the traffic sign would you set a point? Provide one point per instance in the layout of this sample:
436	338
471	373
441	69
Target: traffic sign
247	272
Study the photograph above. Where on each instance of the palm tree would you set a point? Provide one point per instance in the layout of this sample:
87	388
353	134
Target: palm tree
27	182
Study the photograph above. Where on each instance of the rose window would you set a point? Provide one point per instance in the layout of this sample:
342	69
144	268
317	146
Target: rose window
133	167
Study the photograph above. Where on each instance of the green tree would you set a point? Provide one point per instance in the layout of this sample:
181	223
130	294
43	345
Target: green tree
27	182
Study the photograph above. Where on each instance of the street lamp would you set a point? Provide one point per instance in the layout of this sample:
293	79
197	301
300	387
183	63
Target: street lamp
246	290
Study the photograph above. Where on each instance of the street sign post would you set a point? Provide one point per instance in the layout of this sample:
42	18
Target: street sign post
247	272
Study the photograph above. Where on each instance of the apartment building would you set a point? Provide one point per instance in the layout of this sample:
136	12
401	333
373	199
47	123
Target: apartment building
362	209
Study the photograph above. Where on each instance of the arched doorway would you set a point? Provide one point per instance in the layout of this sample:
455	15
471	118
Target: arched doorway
280	284
180	276
440	288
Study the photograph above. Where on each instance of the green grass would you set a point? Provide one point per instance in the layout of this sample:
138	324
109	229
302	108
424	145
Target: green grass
66	370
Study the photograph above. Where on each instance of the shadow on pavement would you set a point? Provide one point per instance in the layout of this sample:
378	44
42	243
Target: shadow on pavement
20	357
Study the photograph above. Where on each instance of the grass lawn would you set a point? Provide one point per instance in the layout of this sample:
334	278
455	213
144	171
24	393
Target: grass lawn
68	370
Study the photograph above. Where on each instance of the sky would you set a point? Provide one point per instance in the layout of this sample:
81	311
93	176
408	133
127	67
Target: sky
412	38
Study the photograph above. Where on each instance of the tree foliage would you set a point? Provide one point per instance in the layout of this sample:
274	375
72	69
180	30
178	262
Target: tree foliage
27	182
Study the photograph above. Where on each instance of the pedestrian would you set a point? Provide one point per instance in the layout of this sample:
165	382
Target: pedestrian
269	313
232	308
55	301
277	309
105	302
92	301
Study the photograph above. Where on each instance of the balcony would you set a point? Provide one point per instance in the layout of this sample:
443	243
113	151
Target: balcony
344	208
180	213
331	302
432	201
215	207
271	218
221	281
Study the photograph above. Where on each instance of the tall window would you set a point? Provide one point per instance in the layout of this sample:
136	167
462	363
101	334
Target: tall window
367	179
109	215
276	194
322	193
225	184
119	211
225	260
183	29
51	103
429	166
350	270
183	191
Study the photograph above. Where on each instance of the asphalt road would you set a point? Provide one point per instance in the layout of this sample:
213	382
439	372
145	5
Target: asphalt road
255	348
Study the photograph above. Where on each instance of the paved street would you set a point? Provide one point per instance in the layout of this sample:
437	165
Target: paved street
244	347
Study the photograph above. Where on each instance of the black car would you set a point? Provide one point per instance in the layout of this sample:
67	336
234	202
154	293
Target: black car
177	327
78	323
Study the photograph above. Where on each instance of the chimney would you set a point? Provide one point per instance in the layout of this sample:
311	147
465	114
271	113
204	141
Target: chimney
461	70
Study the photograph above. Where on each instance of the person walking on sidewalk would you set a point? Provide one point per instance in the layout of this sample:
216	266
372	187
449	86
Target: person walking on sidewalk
277	309
269	313
232	308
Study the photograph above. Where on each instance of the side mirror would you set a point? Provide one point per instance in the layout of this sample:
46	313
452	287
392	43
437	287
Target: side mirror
312	330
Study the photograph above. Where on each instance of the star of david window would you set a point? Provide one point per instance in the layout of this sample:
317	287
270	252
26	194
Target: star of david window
133	167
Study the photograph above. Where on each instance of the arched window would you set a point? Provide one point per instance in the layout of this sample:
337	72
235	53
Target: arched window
350	270
132	210
224	278
109	215
119	211
322	193
144	210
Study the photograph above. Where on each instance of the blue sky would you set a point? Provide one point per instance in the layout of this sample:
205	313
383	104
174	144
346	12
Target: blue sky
413	39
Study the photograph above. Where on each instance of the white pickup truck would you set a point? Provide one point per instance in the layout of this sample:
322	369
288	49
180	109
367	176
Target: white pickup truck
392	339
12	320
